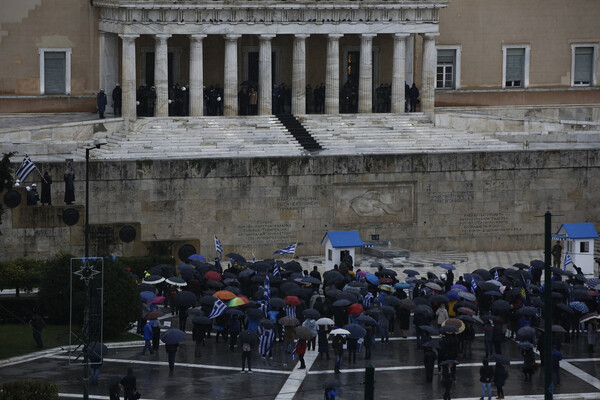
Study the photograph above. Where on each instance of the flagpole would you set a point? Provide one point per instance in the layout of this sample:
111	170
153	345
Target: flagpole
38	171
295	248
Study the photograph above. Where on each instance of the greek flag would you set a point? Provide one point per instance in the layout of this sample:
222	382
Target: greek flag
473	285
496	275
25	169
294	349
218	247
290	311
368	300
265	309
291	249
276	270
218	309
267	294
567	261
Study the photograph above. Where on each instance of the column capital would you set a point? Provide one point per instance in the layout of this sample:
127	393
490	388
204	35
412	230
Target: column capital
401	36
128	36
266	36
232	37
430	35
162	36
367	35
197	36
301	36
335	36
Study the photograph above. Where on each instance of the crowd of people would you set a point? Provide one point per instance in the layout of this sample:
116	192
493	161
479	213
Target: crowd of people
252	305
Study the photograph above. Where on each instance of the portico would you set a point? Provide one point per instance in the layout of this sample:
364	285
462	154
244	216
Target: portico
300	42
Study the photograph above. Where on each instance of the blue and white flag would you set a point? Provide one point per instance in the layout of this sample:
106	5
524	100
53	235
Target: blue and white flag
291	249
473	285
253	258
267	294
496	276
265	309
25	169
276	270
218	309
567	261
218	247
294	349
368	300
290	311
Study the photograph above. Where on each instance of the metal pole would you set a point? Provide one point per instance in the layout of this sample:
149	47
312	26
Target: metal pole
86	309
370	382
547	307
87	201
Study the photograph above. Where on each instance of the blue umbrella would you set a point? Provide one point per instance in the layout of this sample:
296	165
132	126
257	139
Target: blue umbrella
459	287
493	293
197	257
147	296
452	295
173	336
449	267
356	331
402	285
372	279
579	306
411	272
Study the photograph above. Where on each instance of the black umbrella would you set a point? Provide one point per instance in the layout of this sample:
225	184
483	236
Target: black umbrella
559	285
195	312
311	313
467	304
483	273
214	284
311	280
393	301
388	310
500	306
487	286
432	344
581	295
423	309
538	264
255	313
411	272
342	303
526	332
537	302
421	301
438	298
429	329
235	311
521	266
293	266
332	292
173	336
277	302
387	272
348	296
466	318
208	300
527	311
185	299
356	331
247	273
202	320
332	276
565	308
236	257
267	323
499	358
145	287
367	320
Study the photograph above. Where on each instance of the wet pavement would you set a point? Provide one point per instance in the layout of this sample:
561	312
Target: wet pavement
399	372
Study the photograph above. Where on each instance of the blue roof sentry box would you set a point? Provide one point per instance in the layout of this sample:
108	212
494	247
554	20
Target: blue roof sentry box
343	239
578	230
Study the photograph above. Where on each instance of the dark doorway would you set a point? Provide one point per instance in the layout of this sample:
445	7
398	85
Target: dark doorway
253	67
150	69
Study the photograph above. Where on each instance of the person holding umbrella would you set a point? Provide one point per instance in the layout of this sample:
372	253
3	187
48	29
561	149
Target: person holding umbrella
171	349
447	378
323	342
500	377
234	327
246	342
311	324
486	374
171	339
338	348
429	358
155	334
129	385
267	337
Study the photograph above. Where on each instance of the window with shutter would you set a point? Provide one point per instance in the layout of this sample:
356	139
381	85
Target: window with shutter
54	72
515	67
584	66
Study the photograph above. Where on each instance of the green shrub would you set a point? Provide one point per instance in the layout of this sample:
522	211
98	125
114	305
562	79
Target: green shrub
121	296
17	309
20	274
28	390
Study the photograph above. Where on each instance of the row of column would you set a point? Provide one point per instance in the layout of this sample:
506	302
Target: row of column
332	78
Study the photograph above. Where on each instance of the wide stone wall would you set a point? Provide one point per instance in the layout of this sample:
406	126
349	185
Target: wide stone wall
454	201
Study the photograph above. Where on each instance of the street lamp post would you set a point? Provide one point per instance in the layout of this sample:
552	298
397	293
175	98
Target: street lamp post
86	309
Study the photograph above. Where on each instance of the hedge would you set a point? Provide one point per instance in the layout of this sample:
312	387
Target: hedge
28	390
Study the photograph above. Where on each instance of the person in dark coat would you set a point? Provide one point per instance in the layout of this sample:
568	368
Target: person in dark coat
352	348
129	385
37	324
101	102
414	96
486	374
338	347
171	350
69	178
429	358
368	342
500	377
46	193
447	380
32	195
322	341
404	320
117	98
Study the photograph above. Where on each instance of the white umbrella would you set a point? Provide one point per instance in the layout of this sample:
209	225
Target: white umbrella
325	321
176	281
340	331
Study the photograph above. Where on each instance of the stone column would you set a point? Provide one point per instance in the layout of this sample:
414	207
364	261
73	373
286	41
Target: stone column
128	70
299	75
399	73
161	75
230	91
365	79
265	78
196	76
332	76
428	75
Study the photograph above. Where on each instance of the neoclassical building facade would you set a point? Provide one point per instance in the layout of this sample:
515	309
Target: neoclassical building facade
56	55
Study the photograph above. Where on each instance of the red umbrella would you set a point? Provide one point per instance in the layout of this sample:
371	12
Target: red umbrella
213	276
355	309
386	280
292	300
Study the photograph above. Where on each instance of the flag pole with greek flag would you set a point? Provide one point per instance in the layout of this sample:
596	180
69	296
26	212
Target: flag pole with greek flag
567	261
26	168
291	249
218	248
